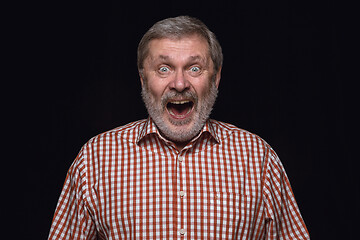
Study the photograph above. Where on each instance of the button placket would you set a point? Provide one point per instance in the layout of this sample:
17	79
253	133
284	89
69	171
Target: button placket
182	195
182	177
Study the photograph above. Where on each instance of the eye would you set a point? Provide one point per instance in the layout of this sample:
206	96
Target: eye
164	69
195	69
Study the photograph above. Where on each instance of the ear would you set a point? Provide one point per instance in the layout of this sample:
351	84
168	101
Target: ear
141	77
217	78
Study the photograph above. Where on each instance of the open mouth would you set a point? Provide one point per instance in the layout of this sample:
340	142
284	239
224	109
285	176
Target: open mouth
180	109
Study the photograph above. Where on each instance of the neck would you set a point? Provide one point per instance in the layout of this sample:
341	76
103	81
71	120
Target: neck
180	145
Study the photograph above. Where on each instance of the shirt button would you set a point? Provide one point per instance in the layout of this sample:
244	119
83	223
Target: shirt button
182	193
181	159
182	231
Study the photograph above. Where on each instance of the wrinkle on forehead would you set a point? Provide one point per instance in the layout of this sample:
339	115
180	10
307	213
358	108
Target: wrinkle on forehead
189	49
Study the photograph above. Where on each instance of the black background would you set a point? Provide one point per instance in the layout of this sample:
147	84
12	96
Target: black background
284	78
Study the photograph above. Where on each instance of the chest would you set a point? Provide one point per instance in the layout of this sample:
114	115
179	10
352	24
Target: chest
194	194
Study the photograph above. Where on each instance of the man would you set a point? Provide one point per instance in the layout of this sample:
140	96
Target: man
177	174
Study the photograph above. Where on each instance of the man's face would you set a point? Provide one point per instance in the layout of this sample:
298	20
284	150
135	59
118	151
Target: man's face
179	86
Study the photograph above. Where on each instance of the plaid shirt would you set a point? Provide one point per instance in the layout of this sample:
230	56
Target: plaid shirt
130	183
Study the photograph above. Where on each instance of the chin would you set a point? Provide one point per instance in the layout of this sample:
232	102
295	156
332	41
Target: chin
179	131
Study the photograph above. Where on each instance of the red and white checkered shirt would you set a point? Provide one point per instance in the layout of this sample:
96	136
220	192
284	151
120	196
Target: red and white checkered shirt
130	183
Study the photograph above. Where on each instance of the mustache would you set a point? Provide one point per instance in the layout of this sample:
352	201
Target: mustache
174	95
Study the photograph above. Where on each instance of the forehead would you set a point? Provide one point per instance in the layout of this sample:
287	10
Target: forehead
189	47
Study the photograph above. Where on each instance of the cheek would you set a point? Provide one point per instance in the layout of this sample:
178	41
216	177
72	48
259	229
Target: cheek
202	88
155	89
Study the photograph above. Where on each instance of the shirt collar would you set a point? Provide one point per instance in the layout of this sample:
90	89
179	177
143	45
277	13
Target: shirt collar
150	128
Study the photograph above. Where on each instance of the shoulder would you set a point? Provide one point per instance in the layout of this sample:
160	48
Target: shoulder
244	142
128	132
247	144
229	132
102	146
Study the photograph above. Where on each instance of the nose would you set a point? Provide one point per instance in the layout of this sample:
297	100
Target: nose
179	83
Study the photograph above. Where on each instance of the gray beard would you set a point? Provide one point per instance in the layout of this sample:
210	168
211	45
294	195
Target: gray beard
201	115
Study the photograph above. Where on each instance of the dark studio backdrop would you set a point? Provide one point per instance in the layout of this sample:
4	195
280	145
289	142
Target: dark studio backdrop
283	78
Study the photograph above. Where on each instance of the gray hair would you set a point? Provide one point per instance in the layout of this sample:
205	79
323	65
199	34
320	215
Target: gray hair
177	28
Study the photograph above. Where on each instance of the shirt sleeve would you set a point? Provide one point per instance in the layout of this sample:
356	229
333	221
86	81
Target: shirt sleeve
72	220
283	217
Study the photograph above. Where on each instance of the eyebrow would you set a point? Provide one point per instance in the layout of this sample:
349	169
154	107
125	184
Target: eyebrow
163	57
195	58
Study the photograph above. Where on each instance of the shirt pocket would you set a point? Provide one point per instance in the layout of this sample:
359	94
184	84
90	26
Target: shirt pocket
231	215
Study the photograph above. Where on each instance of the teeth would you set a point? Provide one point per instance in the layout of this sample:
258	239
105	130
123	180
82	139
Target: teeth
180	102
